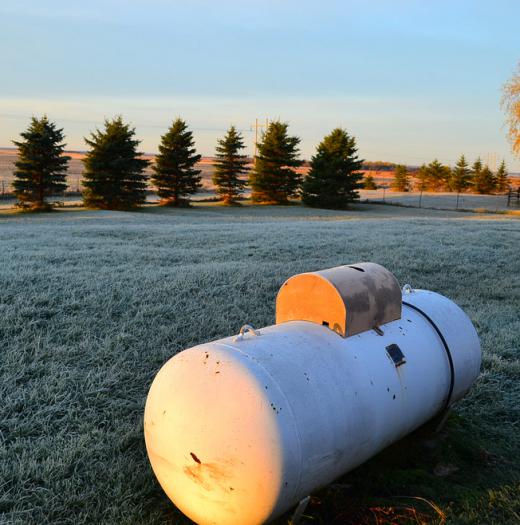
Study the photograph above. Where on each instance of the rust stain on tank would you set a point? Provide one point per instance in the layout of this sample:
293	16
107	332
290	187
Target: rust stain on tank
209	476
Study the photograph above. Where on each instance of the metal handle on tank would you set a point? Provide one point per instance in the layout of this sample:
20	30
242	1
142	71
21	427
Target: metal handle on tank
245	329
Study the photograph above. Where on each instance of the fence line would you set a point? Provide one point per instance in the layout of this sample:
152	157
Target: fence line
445	200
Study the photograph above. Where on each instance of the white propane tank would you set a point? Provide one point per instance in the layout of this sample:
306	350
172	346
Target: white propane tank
241	429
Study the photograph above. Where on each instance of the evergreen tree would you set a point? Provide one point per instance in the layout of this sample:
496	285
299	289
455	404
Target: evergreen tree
369	183
422	178
460	176
476	170
114	175
41	168
229	166
484	181
401	180
502	179
437	176
274	178
334	176
175	176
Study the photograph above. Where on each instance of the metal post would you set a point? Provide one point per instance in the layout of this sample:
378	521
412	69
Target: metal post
256	140
258	126
300	509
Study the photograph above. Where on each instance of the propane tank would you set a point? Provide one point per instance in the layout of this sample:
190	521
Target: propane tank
241	429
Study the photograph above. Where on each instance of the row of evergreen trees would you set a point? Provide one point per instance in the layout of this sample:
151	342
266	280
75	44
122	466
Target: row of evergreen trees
115	177
438	177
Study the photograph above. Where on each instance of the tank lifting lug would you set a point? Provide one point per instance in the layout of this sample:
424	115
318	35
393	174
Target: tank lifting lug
442	418
245	329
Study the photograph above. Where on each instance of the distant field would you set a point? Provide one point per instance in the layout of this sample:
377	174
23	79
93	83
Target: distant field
8	158
93	303
433	200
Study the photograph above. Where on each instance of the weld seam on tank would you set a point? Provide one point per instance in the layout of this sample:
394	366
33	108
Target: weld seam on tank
447	404
296	430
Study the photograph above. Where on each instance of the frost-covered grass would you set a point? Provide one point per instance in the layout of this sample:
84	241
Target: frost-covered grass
93	303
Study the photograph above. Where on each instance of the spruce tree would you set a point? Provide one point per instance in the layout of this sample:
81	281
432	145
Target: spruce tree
369	183
41	168
175	176
461	176
274	178
502	178
484	181
422	178
437	176
229	166
401	180
114	175
476	170
334	177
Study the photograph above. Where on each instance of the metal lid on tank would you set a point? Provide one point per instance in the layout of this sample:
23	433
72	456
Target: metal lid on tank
348	299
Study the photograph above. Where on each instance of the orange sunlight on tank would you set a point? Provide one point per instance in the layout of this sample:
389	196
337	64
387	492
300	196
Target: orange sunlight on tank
213	463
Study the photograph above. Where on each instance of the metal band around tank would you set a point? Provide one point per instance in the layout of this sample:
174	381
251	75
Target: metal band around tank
446	348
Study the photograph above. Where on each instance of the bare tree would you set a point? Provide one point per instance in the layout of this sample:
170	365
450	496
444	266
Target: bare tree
511	105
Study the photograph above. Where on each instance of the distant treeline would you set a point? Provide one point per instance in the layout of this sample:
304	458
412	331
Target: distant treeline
116	177
436	177
378	165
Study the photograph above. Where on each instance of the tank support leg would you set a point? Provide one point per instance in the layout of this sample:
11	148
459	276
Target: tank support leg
442	420
298	512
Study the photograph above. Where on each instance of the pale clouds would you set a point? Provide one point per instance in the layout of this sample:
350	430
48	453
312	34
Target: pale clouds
401	129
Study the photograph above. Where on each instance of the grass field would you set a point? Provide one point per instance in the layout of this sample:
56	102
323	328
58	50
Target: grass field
8	157
93	303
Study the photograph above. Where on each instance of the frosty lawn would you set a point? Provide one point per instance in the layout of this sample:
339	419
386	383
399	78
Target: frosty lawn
93	303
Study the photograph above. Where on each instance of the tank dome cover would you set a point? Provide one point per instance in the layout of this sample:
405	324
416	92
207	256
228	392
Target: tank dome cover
348	299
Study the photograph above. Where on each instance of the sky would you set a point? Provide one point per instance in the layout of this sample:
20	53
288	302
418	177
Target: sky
413	80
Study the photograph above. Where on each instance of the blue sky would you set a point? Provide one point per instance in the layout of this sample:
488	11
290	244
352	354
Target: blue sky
412	79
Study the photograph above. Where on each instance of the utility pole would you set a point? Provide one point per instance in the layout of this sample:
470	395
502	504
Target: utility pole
256	127
492	161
